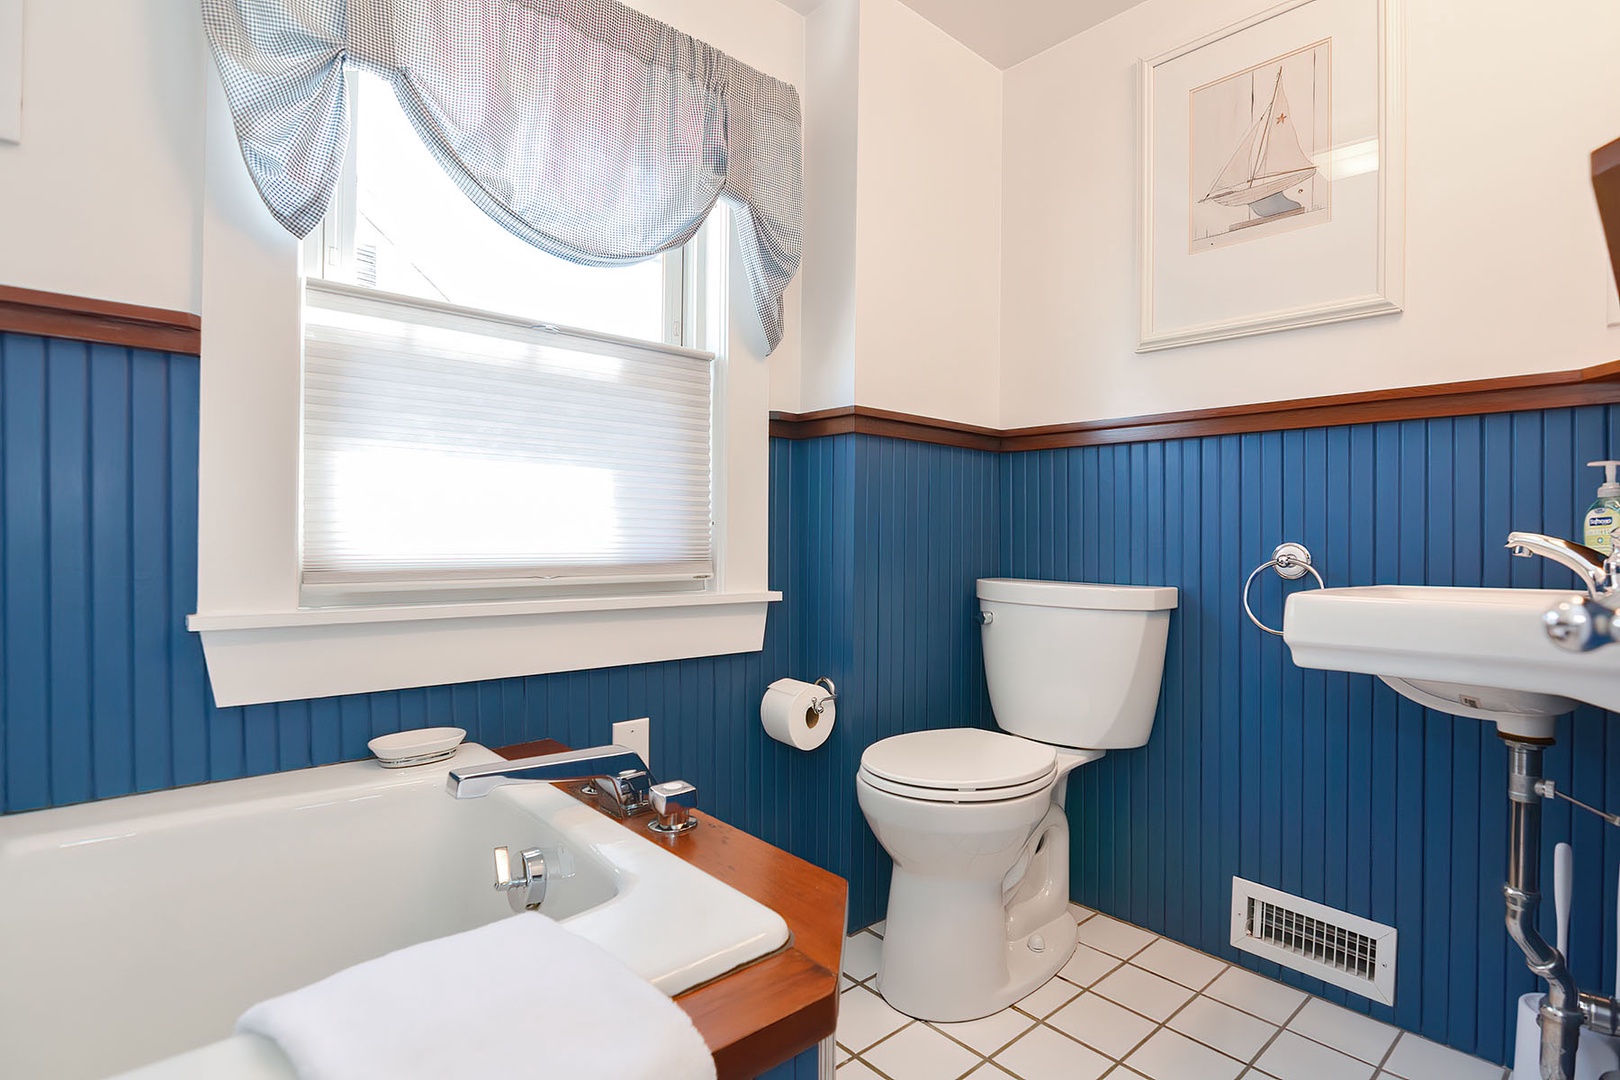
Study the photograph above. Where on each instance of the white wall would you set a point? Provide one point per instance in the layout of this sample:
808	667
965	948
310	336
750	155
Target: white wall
832	77
769	36
927	220
102	197
1504	253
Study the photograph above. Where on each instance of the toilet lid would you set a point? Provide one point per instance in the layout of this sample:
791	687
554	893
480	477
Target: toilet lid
959	759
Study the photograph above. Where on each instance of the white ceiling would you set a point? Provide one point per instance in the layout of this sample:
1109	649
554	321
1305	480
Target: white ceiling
1006	32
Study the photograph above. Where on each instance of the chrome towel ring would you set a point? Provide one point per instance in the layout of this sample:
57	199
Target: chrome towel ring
1290	561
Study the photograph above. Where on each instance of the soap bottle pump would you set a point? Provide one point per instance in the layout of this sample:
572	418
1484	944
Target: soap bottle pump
1604	513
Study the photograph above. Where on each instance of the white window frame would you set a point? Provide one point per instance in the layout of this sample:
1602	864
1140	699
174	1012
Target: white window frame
332	244
261	645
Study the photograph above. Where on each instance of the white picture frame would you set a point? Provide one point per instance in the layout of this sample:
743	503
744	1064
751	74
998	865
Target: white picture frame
1272	174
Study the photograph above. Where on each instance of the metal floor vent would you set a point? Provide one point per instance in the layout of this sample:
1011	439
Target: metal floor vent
1334	946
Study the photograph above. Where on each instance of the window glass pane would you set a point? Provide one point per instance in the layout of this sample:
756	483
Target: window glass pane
417	234
444	445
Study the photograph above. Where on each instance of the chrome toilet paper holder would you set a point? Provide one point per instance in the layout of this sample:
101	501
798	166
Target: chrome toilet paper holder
832	694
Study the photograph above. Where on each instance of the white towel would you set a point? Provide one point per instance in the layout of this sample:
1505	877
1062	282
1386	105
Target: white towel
520	997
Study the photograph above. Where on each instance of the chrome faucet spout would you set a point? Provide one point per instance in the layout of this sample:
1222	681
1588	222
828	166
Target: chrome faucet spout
1599	573
624	776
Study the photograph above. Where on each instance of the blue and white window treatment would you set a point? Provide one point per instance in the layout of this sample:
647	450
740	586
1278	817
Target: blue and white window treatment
583	127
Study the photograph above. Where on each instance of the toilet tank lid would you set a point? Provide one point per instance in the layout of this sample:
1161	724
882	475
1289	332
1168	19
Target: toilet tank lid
969	759
1077	594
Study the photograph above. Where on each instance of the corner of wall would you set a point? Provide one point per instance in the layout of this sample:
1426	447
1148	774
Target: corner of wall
928	194
832	78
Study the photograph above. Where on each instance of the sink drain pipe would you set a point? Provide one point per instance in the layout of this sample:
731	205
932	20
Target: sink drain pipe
1565	1008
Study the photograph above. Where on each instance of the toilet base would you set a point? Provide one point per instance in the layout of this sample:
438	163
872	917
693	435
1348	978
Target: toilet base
935	978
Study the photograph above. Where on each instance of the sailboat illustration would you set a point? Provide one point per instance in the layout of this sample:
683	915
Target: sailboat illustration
1267	162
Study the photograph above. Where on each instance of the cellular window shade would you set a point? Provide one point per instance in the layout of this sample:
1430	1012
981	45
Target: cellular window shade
444	446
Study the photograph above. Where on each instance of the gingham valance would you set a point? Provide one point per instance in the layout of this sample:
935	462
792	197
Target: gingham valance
583	127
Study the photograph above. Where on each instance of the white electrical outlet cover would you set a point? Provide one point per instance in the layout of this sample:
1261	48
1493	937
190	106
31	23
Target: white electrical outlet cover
637	735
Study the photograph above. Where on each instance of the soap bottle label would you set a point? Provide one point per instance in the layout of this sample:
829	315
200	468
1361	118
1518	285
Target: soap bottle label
1600	530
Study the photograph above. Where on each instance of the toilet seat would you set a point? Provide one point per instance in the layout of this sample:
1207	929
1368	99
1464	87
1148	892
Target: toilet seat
959	765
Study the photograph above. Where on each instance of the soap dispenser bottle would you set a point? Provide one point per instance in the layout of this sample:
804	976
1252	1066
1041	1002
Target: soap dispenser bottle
1604	512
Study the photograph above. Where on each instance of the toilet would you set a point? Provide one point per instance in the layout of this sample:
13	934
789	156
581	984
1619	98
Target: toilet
974	820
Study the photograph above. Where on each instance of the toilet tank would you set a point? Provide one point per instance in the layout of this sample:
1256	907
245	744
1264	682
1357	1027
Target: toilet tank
1075	664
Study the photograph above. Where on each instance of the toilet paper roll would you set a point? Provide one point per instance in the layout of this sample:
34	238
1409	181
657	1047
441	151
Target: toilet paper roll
789	712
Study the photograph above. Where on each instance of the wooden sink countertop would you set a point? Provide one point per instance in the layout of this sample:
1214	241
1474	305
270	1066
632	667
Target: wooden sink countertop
775	1008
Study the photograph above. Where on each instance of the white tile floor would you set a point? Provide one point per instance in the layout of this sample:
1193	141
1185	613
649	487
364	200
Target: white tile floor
1132	1005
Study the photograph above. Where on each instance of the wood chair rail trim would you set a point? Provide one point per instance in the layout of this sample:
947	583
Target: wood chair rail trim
1597	385
32	311
103	322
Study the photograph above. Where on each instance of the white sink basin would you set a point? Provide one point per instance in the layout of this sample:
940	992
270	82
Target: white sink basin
1480	653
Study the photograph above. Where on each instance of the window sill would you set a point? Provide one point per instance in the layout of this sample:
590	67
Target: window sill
311	653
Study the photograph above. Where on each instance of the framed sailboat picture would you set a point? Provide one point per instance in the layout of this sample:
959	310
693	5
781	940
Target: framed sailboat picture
1273	175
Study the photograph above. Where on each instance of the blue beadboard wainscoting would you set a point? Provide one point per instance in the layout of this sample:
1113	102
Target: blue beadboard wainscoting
103	691
875	544
1322	784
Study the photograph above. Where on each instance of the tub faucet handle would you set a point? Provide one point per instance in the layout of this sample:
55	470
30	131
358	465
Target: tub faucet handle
623	794
673	802
526	891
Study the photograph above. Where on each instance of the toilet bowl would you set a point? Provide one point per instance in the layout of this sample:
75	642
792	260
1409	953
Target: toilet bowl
974	820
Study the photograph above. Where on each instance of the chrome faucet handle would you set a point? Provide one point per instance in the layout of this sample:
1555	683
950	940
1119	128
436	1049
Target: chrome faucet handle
1611	571
623	794
673	801
526	891
1579	624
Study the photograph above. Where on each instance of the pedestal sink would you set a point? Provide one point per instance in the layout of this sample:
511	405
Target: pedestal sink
1480	653
1483	653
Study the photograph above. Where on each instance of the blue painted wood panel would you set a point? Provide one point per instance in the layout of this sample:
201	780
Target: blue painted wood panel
874	543
1325	784
804	1067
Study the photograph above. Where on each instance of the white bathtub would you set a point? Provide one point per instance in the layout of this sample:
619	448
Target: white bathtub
138	928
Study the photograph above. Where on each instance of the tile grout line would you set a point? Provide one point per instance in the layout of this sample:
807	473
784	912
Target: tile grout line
1389	1053
1164	1024
1118	963
1254	1062
1398	1032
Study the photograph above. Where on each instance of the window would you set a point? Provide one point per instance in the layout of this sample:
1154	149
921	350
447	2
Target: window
400	225
456	439
267	636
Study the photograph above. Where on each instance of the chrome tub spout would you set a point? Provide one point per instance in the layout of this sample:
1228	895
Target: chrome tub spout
622	778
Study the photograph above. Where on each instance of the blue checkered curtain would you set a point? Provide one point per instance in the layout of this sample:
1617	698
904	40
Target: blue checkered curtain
581	126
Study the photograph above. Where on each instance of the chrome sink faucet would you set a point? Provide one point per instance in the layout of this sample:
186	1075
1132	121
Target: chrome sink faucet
1580	623
1598	572
620	776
